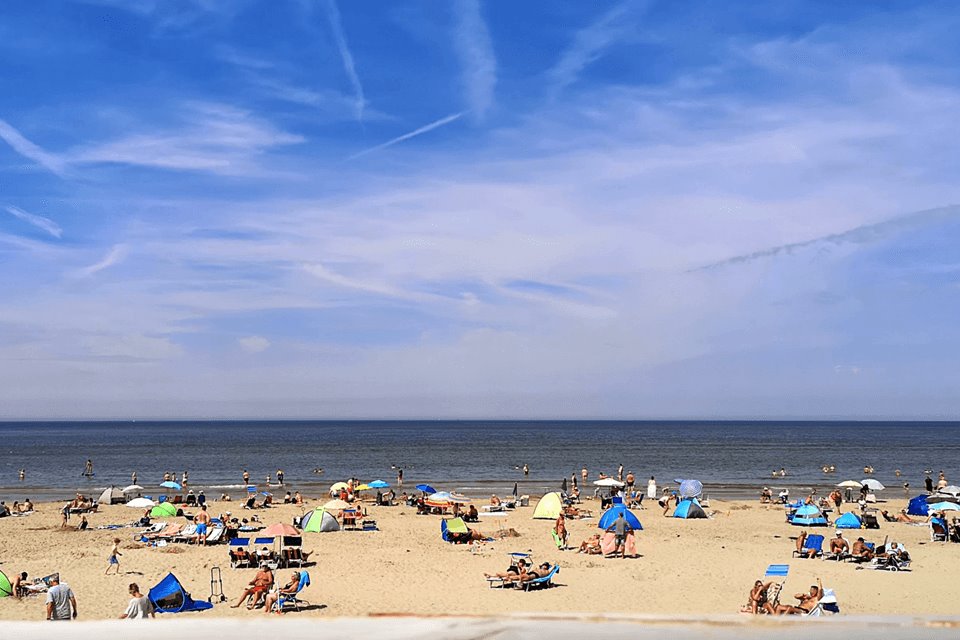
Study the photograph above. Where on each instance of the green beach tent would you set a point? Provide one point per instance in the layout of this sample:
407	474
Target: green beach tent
549	507
6	588
320	521
163	510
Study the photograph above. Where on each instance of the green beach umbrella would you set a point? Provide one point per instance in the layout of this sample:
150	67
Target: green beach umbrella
163	510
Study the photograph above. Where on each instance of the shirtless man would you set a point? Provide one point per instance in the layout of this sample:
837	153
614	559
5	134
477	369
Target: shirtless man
258	588
591	546
801	551
861	550
583	475
838	545
903	517
807	601
513	572
202	520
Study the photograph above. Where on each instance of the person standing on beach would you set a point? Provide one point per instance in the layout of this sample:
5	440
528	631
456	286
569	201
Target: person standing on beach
620	529
526	469
399	477
620	473
280	477
61	603
202	520
133	478
583	474
140	607
246	477
652	488
114	559
184	478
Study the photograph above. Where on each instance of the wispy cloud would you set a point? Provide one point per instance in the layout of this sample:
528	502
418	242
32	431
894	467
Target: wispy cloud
589	44
477	60
413	134
29	150
116	255
336	25
253	344
44	224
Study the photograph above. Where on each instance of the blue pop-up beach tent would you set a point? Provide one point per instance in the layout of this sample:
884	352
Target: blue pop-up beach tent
169	596
918	506
688	509
849	520
808	515
610	516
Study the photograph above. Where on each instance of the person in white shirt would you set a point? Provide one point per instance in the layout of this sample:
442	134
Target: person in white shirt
140	606
61	603
652	488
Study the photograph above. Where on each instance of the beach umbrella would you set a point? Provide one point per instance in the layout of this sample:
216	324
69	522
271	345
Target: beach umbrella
690	488
953	490
361	487
169	484
439	499
163	510
378	484
425	488
608	482
849	484
336	505
278	530
337	486
943	506
459	497
265	493
873	485
132	488
251	488
141	503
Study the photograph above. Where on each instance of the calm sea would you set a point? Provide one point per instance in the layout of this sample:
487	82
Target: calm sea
732	459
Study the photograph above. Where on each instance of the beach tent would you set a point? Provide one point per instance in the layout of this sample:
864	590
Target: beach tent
6	588
111	495
689	508
141	503
549	507
453	525
610	516
918	506
164	510
319	521
808	515
169	596
849	520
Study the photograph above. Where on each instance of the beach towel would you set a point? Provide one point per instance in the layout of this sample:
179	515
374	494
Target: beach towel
608	543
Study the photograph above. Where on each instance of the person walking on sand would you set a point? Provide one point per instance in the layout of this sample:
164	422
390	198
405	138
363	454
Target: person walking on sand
246	477
114	559
61	603
140	607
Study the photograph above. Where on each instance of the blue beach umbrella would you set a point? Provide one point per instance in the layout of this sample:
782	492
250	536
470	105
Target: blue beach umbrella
378	484
944	506
426	488
610	516
691	489
251	489
169	484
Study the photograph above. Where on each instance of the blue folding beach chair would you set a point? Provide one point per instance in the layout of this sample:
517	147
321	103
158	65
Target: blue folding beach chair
776	571
544	582
812	543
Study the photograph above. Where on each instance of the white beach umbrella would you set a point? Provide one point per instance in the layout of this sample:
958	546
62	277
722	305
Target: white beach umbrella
141	503
849	484
953	490
608	482
132	488
873	485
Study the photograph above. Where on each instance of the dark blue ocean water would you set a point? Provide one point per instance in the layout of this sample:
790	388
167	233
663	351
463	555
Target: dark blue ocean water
730	458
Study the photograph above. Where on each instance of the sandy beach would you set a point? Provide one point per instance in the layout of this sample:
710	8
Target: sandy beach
687	567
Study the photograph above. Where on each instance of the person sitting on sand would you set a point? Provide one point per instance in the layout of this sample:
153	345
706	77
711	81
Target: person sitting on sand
807	601
287	499
903	517
758	599
766	496
494	501
861	550
838	545
27	506
472	514
289	589
297	498
591	546
258	587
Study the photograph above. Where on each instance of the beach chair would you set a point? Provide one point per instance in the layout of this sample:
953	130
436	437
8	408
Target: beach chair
938	531
239	557
857	559
161	499
215	535
350	518
826	606
870	521
185	534
776	571
294	601
541	583
812	543
268	558
291	551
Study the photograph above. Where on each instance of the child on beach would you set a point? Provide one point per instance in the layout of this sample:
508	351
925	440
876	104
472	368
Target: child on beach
114	559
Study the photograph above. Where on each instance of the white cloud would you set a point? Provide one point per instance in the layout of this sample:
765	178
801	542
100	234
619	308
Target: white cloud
349	67
436	124
29	150
116	255
254	344
475	50
44	224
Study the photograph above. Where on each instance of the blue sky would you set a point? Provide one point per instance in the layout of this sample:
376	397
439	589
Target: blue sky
479	209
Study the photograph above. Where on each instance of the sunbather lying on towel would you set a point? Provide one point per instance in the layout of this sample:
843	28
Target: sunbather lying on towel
807	601
903	517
